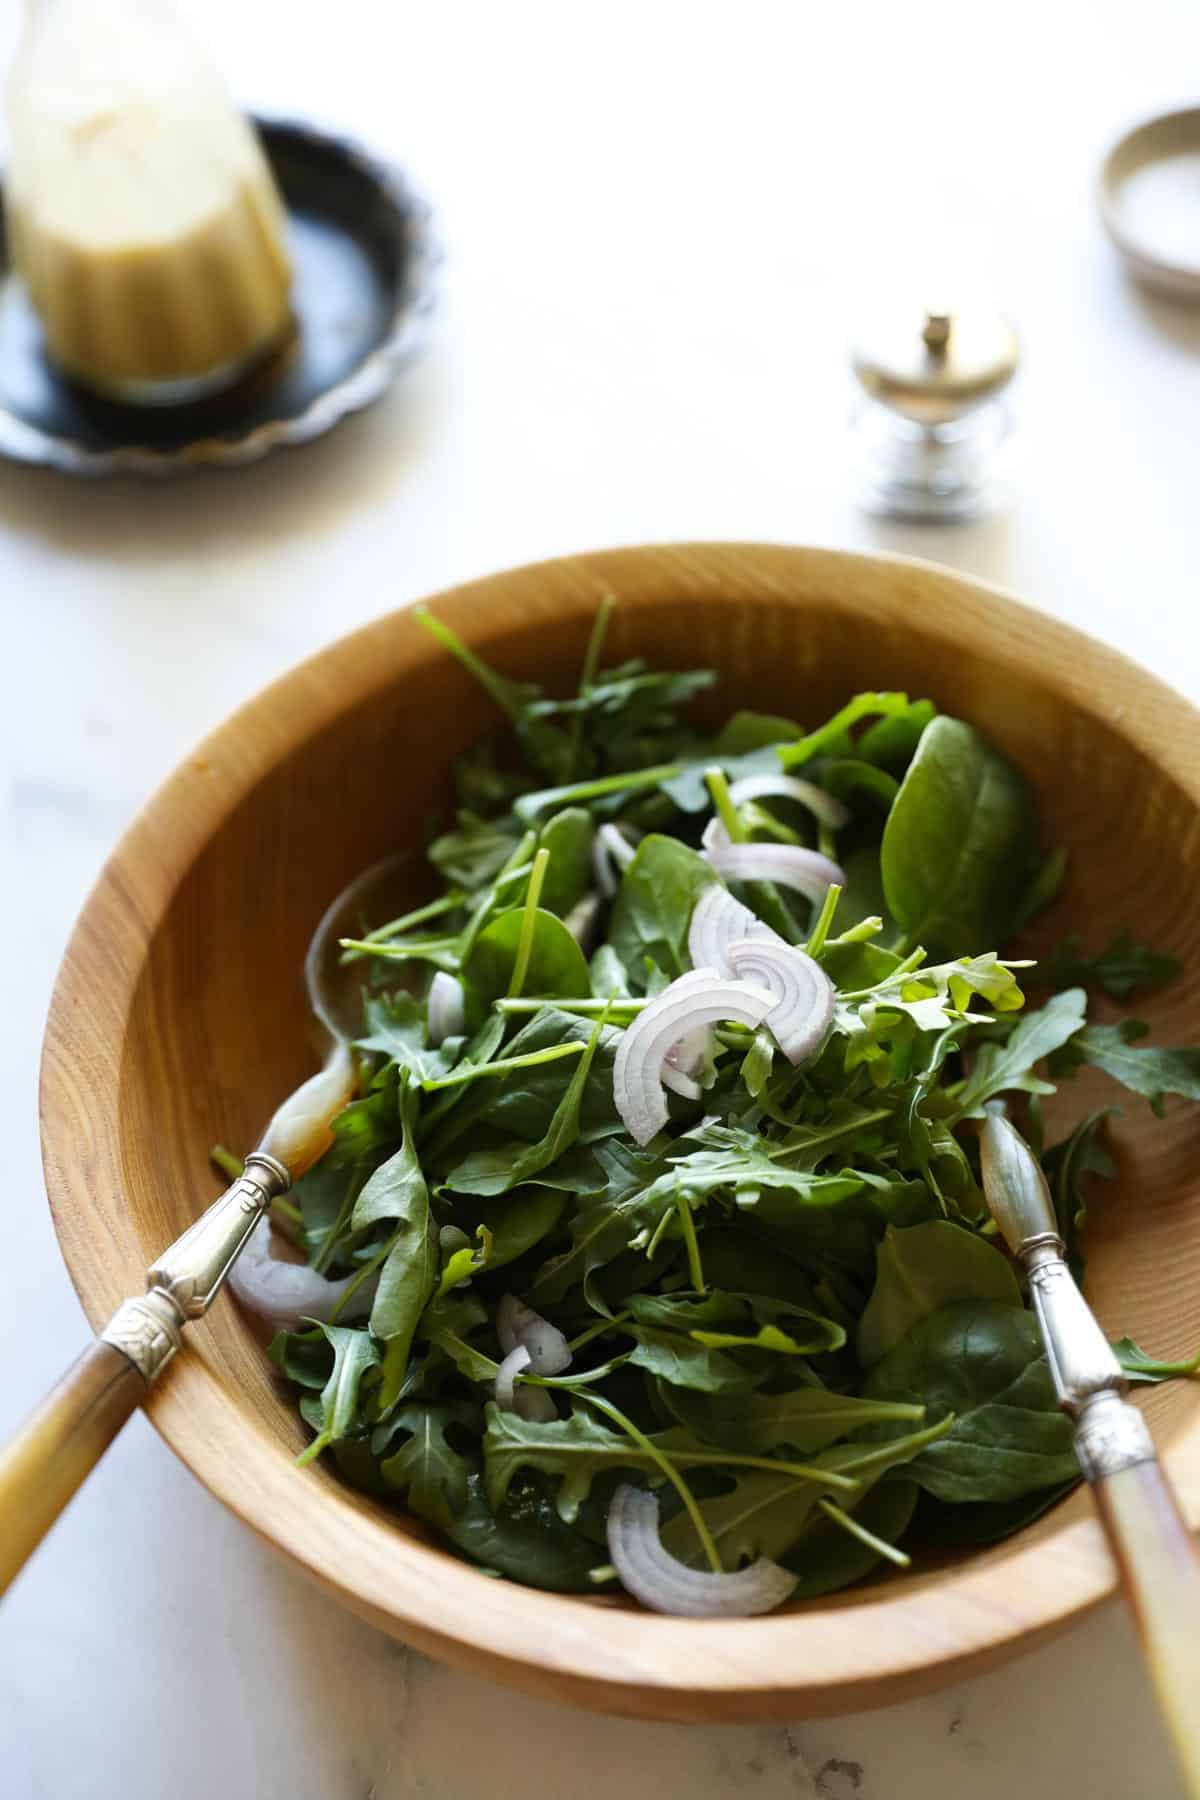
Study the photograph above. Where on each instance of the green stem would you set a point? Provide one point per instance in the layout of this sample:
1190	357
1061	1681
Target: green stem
321	1260
431	948
226	1161
503	1066
687	1225
533	894
529	806
824	919
880	1545
368	1269
727	812
826	840
860	933
587	1007
595	1331
496	686
587	675
449	902
669	1470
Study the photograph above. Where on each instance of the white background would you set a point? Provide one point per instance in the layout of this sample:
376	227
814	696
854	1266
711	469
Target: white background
663	221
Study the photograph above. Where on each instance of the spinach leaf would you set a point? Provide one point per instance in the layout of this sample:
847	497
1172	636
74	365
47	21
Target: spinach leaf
1150	1072
556	964
525	1539
826	1557
923	1268
654	908
1002	1068
959	842
568	838
982	1363
747	731
1124	968
940	1526
517	1222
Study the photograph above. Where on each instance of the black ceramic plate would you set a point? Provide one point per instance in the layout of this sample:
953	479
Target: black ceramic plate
364	265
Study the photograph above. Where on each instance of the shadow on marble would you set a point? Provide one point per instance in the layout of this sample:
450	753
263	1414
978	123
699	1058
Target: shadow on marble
301	492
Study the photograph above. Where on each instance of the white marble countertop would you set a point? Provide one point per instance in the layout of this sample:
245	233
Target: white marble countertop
660	220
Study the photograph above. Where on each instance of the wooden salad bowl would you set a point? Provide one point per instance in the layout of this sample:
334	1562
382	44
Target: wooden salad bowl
179	1020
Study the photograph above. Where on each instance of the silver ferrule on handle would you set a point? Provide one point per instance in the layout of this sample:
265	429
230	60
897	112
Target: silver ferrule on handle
184	1281
1110	1434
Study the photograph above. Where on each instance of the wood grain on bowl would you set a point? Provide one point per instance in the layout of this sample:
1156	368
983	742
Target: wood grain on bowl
179	1019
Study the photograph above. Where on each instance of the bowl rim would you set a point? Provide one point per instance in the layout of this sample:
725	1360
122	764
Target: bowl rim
841	1654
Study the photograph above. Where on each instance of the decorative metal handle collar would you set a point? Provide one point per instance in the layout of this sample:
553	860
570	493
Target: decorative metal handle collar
185	1280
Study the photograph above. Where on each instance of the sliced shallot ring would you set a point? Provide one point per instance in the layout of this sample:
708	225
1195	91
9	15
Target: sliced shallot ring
612	850
300	1131
718	920
822	805
803	994
286	1292
660	1581
446	1008
518	1324
682	1060
514	1364
788	865
702	998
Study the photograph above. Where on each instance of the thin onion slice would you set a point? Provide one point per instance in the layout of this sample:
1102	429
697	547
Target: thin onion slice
446	1008
701	998
612	852
661	1582
803	994
718	920
286	1292
321	962
583	921
681	1062
514	1364
821	805
518	1324
535	1404
788	865
300	1131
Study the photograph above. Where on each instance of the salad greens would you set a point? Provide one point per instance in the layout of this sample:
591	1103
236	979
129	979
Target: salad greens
788	1313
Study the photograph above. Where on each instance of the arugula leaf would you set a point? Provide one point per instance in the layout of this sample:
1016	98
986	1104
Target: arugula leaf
489	1172
1139	1367
1124	968
766	1513
475	853
686	1363
1002	1068
958	842
1150	1072
804	1420
354	1353
983	1364
396	1027
426	1469
923	1268
397	1192
654	908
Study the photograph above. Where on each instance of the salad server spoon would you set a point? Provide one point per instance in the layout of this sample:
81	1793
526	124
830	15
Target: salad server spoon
1156	1557
58	1446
